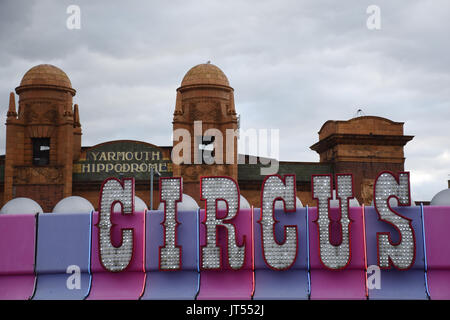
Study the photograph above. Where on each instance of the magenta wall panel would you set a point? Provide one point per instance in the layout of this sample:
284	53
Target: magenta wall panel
17	252
226	283
347	283
437	238
128	284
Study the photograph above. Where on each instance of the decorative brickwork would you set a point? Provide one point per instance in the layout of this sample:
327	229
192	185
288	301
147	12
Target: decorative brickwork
45	112
204	95
363	146
46	195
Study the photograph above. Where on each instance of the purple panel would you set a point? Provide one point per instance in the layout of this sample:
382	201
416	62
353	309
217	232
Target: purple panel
437	237
63	240
128	284
181	284
54	287
347	283
396	284
288	284
17	246
226	283
186	238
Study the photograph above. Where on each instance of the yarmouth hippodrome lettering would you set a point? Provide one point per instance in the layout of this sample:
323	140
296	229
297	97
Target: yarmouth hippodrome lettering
124	162
120	158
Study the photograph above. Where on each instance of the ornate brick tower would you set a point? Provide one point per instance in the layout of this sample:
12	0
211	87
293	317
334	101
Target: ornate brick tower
43	138
364	146
205	95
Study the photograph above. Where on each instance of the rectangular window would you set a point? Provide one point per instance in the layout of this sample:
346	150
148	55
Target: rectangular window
207	149
41	151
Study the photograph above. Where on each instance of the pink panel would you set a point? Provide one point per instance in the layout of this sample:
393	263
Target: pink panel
17	250
128	284
437	237
16	287
439	284
347	283
226	283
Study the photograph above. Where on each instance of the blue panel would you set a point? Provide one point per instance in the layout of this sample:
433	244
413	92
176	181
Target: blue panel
397	284
291	284
54	287
63	240
174	285
182	284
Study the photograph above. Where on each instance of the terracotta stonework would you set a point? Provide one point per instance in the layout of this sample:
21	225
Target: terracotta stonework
205	95
363	146
45	111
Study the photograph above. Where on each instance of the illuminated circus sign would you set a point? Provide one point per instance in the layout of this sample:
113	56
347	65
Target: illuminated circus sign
388	251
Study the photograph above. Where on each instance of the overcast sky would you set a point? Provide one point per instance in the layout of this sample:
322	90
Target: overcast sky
293	66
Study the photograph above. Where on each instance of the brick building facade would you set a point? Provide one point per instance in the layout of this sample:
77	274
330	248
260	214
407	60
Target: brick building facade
45	160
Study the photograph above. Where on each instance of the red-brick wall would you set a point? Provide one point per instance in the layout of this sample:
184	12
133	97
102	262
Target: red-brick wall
47	196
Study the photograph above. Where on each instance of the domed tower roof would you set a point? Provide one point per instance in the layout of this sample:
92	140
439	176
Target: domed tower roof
205	73
45	75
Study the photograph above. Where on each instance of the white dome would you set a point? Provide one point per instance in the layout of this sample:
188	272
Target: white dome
139	205
21	206
334	203
279	204
73	204
187	204
442	198
243	203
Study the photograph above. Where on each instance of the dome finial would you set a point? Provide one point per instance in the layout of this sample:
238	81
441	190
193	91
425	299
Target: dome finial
359	113
208	62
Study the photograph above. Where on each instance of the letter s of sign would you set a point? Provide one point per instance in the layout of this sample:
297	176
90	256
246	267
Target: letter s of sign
74	280
115	259
403	253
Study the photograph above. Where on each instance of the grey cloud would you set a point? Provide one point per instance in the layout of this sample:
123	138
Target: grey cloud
293	65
